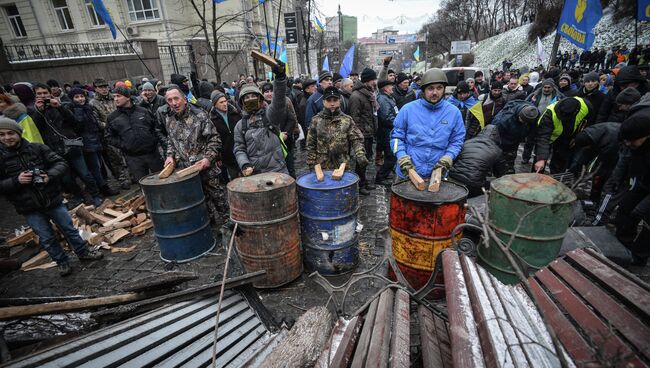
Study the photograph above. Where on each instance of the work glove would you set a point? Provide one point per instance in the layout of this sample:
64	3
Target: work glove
405	164
362	161
387	60
279	70
445	162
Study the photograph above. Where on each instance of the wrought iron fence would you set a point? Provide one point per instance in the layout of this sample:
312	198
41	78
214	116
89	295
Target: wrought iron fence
20	53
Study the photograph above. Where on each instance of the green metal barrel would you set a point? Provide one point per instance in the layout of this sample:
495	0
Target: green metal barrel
537	210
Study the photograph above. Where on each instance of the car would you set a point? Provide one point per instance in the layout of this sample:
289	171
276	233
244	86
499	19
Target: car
452	76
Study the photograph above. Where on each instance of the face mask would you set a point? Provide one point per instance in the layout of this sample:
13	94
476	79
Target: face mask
251	106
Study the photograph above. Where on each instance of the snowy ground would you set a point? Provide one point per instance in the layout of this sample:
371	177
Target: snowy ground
513	44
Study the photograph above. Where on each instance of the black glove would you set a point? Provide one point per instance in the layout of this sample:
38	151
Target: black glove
279	70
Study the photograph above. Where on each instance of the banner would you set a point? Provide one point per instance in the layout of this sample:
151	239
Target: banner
578	20
643	13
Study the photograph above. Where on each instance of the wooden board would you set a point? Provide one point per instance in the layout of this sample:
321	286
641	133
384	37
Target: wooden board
189	170
22	238
35	260
112	212
121	218
348	342
436	179
136	203
319	172
361	353
400	334
44	266
123	250
266	59
379	348
142	228
417	180
166	171
116	235
115	226
338	173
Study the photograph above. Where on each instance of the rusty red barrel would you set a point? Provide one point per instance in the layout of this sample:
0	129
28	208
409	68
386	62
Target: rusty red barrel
421	223
266	208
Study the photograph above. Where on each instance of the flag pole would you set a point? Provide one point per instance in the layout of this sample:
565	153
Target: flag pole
277	29
266	23
134	51
636	28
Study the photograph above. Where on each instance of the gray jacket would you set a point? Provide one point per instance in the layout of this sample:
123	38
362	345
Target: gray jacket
257	141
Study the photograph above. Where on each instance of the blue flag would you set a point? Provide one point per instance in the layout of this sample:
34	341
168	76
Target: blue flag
577	22
326	64
416	54
101	10
346	65
643	12
219	1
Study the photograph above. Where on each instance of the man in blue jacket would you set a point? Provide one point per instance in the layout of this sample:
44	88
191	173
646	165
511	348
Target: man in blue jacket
428	133
315	101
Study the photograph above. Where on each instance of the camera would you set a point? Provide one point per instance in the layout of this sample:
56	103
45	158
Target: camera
37	179
46	102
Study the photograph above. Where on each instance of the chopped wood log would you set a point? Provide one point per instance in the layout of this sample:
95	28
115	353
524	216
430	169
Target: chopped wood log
22	238
35	260
168	170
74	210
96	239
116	235
142	228
89	217
319	172
189	170
436	179
123	250
304	343
121	218
338	173
122	199
136	203
44	266
112	212
140	218
266	59
417	180
108	203
90	207
118	225
28	251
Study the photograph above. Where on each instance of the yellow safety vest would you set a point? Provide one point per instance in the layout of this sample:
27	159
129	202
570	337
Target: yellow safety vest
558	128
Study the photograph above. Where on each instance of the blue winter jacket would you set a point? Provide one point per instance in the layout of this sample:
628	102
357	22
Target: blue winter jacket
314	106
462	105
426	132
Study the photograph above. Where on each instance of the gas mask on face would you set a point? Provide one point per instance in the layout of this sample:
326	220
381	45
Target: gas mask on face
251	106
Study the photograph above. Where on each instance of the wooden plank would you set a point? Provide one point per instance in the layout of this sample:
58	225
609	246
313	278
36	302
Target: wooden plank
136	203
361	353
22	238
597	332
319	172
116	235
572	341
625	322
379	348
348	343
44	266
614	282
417	180
119	225
121	218
606	261
444	342
35	260
436	179
142	228
112	212
338	173
431	355
400	334
166	171
266	59
123	250
465	344
189	170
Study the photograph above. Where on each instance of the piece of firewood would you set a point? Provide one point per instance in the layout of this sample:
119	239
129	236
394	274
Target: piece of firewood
266	59
436	179
116	235
119	225
96	239
140	218
142	228
121	218
168	170
112	212
338	173
122	250
136	203
40	267
189	170
35	260
417	180
22	238
319	173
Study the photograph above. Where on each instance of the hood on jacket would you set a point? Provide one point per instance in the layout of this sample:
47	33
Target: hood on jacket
205	89
533	78
15	110
643	103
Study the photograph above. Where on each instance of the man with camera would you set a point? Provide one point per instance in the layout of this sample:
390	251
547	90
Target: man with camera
29	179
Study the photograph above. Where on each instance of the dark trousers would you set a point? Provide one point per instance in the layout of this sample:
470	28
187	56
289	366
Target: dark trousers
40	223
291	167
529	145
93	162
561	158
143	165
383	145
75	159
368	145
634	208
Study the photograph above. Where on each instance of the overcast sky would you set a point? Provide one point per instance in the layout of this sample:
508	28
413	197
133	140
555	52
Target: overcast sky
405	15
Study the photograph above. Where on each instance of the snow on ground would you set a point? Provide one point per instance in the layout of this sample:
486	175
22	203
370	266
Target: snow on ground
513	44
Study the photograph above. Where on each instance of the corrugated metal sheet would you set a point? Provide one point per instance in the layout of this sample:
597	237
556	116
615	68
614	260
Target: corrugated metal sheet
177	335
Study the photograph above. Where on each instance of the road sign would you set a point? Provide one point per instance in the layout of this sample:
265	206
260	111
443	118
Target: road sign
460	47
291	36
291	29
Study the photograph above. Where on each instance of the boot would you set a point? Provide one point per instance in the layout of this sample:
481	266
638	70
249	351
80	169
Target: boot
108	191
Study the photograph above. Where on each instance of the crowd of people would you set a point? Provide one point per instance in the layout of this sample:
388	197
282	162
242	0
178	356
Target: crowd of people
72	139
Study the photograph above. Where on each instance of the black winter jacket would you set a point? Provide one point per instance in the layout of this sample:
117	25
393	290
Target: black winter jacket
477	158
133	130
87	126
55	124
511	131
226	130
403	97
595	97
30	156
154	105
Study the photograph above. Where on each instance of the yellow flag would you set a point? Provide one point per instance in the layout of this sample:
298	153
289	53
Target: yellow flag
477	111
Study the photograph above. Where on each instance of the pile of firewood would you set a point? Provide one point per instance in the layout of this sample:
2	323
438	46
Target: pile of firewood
101	227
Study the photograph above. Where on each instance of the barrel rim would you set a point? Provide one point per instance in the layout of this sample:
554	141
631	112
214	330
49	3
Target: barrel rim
571	194
214	244
230	185
166	181
355	176
461	198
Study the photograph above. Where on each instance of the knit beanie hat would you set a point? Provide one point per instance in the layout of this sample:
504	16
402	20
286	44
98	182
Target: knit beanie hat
367	75
462	87
591	77
148	87
401	77
121	90
120	84
566	77
628	96
529	114
76	91
25	93
6	123
324	74
216	95
567	108
267	87
548	82
629	74
634	127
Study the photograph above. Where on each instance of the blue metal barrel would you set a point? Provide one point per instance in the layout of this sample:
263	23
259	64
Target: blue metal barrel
180	217
328	220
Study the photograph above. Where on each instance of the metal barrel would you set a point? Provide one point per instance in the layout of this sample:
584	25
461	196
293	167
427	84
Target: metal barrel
180	217
266	208
537	210
328	217
421	223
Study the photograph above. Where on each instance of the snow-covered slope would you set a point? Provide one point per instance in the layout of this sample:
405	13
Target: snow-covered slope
513	44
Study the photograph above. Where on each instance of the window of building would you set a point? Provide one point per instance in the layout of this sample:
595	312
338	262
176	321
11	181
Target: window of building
95	19
63	14
142	10
16	23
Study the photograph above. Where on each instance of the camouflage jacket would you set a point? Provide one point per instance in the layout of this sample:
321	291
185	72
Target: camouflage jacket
192	137
333	139
103	106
